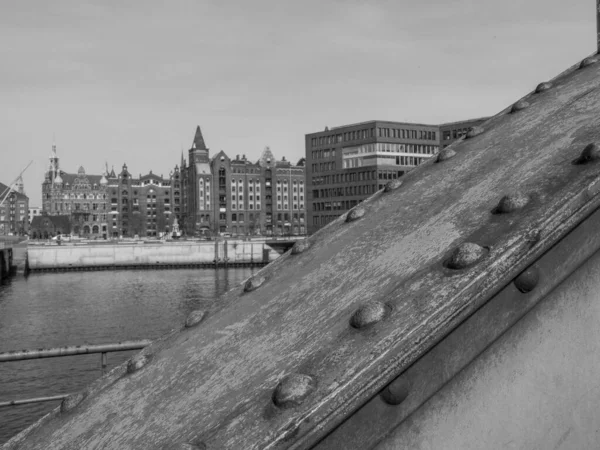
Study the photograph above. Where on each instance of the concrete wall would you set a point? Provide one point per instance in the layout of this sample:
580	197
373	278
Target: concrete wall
74	256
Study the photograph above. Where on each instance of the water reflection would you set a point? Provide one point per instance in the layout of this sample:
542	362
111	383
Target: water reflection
57	309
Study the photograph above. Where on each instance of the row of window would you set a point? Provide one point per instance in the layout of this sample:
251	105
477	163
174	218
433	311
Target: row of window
397	133
323	154
343	137
456	134
409	161
324	167
401	133
386	147
350	177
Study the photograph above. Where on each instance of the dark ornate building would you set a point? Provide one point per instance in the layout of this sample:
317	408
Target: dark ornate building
80	196
142	206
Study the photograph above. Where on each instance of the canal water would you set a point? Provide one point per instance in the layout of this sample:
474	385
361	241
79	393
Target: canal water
74	308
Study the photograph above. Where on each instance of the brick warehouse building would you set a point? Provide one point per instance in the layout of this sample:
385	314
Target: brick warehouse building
347	164
13	209
207	196
237	196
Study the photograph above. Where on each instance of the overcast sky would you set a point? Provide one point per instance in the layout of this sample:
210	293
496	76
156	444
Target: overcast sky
127	82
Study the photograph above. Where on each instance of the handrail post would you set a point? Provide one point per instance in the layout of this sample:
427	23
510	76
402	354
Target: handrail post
104	361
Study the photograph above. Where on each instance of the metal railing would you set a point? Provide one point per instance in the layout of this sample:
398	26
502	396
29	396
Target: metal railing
103	349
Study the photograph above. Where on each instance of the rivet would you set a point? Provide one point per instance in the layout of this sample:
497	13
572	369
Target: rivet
543	87
511	202
369	314
527	280
253	283
521	104
194	318
137	362
71	401
395	392
591	152
300	246
356	213
445	154
293	389
392	185
588	61
475	131
465	255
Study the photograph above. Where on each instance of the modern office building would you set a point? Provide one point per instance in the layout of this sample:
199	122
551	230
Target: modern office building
14	207
347	164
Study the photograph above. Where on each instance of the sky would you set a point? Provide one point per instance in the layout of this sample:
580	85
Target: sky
127	82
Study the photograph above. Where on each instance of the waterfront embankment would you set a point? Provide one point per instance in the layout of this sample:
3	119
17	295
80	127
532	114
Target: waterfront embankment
150	255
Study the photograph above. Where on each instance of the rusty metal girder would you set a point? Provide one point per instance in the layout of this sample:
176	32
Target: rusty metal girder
322	330
373	421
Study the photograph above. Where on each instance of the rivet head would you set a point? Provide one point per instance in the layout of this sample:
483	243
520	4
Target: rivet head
445	154
465	255
293	389
369	314
512	202
300	246
137	362
475	131
194	318
591	152
588	61
527	280
521	104
356	213
253	283
395	392
543	87
392	185
71	401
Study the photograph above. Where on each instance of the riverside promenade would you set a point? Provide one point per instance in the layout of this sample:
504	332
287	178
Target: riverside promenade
149	254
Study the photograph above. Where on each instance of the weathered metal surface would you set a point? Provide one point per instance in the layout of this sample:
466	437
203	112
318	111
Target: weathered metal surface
537	387
373	421
214	384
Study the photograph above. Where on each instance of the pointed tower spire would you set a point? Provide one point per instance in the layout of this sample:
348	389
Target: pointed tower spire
199	140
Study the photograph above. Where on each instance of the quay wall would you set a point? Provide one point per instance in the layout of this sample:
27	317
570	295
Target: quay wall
89	256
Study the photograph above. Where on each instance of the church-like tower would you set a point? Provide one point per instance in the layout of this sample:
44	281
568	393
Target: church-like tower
199	186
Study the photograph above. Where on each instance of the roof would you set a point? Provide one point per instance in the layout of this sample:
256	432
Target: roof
283	359
199	140
4	190
389	122
61	221
72	177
